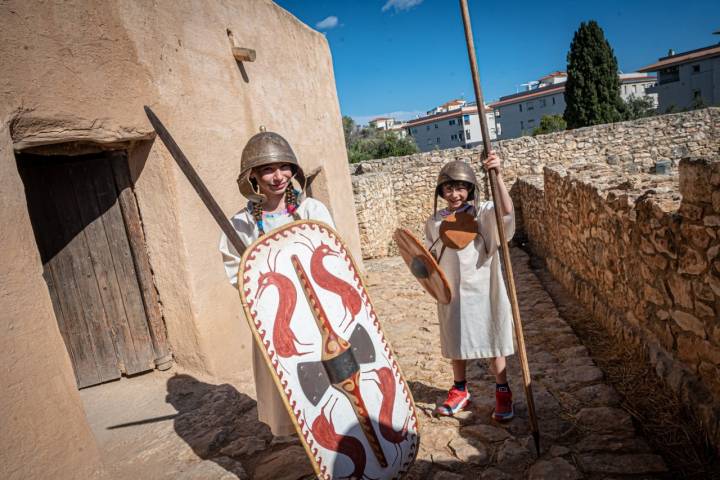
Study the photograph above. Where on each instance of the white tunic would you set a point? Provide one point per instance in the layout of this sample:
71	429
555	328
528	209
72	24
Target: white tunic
271	409
477	323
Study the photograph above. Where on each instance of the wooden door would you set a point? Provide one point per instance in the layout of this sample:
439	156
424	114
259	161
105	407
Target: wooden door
88	263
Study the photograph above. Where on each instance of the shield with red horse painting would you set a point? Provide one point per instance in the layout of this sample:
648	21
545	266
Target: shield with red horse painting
310	313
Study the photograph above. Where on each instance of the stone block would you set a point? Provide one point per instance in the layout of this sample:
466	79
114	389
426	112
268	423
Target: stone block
692	262
697	235
681	291
605	420
556	468
703	310
689	322
695	176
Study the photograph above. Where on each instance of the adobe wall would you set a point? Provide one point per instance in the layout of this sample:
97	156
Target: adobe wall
406	183
642	253
79	73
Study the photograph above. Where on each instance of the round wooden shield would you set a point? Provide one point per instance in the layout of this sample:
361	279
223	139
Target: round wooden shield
311	316
423	266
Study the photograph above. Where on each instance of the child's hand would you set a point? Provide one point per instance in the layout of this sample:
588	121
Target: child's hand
493	161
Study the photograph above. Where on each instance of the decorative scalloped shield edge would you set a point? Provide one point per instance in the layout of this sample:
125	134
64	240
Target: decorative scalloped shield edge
271	358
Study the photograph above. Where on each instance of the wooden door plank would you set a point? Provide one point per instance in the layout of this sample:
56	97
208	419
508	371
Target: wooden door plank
79	278
99	249
135	322
136	237
49	242
60	278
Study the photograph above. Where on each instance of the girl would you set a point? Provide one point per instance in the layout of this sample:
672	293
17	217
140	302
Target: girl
477	323
267	168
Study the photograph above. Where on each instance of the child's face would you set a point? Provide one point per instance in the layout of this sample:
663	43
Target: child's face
273	179
455	193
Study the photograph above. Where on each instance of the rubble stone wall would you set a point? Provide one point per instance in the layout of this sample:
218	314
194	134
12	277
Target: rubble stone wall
408	182
642	253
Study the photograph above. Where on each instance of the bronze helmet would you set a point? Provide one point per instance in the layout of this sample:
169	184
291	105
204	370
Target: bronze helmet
265	148
456	171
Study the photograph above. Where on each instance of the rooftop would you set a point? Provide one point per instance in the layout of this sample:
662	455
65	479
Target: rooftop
677	59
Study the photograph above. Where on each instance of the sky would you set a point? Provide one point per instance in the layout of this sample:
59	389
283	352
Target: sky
403	57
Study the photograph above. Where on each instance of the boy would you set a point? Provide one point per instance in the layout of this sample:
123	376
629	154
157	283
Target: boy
477	323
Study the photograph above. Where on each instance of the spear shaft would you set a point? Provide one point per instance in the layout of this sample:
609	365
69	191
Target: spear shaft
527	381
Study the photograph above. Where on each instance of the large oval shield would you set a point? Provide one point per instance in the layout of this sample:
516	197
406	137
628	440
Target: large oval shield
308	308
423	266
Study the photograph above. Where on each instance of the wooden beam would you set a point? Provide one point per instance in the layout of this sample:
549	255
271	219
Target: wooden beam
243	54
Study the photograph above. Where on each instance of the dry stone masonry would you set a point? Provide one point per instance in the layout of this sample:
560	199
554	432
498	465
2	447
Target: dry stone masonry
639	250
397	191
642	253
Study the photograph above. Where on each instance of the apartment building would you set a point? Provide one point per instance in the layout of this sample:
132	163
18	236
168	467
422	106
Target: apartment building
520	113
687	80
453	124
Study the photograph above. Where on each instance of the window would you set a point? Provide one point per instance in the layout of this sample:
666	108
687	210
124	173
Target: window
697	94
453	137
467	134
436	125
696	69
634	88
497	113
542	102
530	106
430	142
428	127
466	119
451	122
438	140
520	105
553	100
414	130
532	120
460	134
522	125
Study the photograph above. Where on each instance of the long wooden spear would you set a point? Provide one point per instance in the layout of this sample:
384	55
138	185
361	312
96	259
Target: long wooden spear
527	381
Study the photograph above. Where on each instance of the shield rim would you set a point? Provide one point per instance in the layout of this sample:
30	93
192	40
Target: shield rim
443	278
268	361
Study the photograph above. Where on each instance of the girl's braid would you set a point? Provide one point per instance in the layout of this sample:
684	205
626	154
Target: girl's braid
257	215
291	199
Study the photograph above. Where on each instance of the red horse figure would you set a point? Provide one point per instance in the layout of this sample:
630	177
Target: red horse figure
284	338
324	432
386	384
351	301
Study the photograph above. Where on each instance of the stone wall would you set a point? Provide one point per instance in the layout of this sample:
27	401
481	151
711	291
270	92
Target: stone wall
642	253
631	146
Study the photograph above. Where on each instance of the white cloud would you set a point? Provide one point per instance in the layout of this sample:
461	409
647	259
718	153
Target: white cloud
400	5
400	115
327	23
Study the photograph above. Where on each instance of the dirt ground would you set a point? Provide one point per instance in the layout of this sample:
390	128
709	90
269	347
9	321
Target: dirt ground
177	425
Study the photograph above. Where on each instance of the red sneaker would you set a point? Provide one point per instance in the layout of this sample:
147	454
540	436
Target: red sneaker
503	405
456	401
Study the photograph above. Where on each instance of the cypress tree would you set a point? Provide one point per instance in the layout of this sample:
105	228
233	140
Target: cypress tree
592	91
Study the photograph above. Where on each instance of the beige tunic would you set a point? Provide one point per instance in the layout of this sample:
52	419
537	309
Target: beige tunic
271	409
477	323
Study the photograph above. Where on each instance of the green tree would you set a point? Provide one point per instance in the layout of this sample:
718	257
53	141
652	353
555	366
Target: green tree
367	143
639	107
550	123
349	129
592	91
